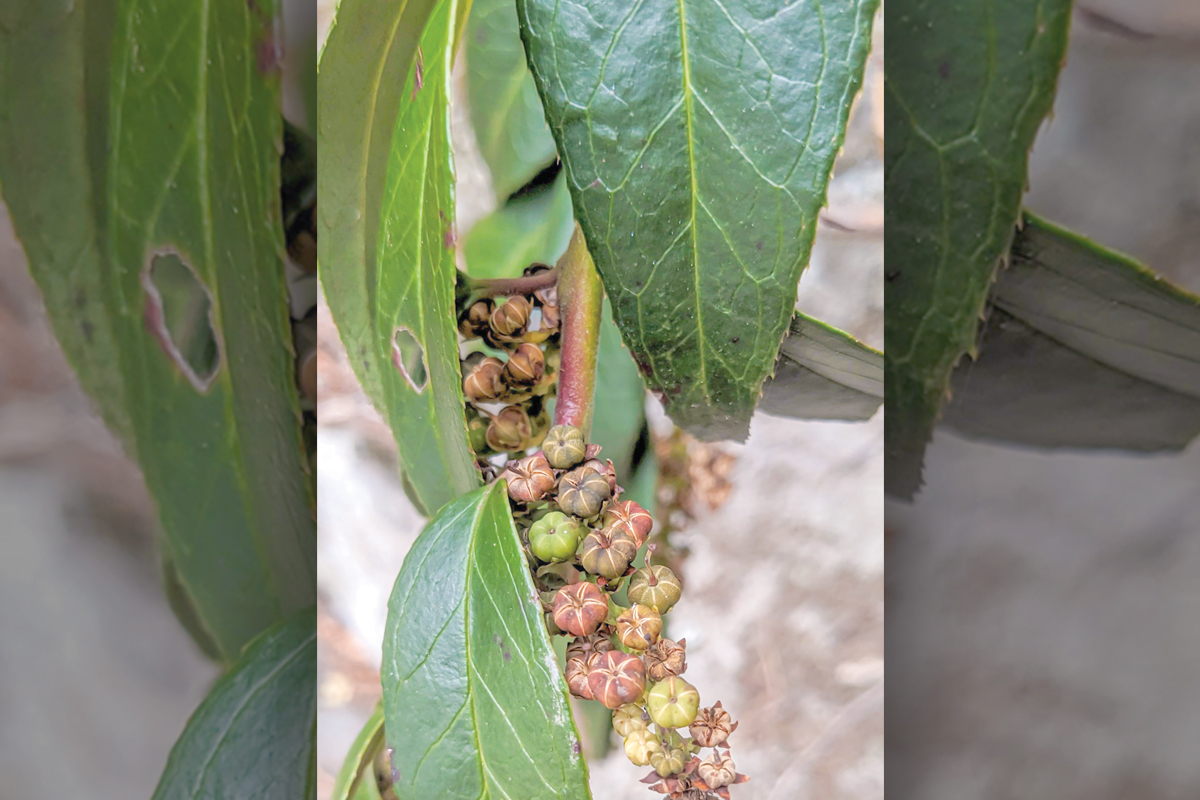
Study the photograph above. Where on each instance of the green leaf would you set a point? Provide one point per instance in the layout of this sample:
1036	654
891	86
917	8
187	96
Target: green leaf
1085	348
356	779
529	228
150	213
255	733
698	138
473	699
510	126
824	373
966	87
387	234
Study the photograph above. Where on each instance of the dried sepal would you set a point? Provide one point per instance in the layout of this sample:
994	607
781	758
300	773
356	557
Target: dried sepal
584	646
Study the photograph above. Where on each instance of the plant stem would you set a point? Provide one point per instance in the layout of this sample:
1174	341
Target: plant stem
502	287
580	298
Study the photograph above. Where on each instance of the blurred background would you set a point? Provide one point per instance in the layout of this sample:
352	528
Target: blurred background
1042	607
783	536
97	678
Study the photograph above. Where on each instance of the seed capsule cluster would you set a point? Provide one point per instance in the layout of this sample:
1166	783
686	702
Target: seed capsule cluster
506	394
584	539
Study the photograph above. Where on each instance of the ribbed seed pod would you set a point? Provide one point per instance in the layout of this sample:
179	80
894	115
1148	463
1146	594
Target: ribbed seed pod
712	726
483	381
584	646
555	537
655	586
640	745
630	717
508	321
607	552
475	321
509	430
638	627
582	492
580	608
616	678
576	673
672	703
668	762
630	517
525	366
529	479
564	446
665	658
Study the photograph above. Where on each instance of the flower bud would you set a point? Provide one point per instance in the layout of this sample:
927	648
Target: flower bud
668	762
576	673
638	627
525	366
655	586
640	746
564	446
616	678
483	381
583	492
629	718
508	321
607	552
509	430
665	658
528	479
630	517
673	703
555	537
580	608
712	726
474	321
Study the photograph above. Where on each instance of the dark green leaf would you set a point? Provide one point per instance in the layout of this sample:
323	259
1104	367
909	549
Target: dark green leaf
510	126
534	227
697	138
255	733
824	373
151	217
387	229
356	779
967	85
1085	349
473	700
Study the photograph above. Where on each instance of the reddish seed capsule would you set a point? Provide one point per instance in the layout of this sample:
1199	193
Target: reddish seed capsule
630	517
580	608
617	678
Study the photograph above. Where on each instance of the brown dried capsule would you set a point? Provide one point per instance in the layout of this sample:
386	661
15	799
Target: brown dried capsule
632	518
712	726
638	627
605	468
583	492
474	323
509	430
616	678
583	646
715	773
607	552
508	321
525	366
484	381
576	673
665	658
528	479
580	608
564	446
655	586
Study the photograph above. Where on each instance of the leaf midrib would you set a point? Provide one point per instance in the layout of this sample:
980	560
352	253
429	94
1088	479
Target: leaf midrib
688	114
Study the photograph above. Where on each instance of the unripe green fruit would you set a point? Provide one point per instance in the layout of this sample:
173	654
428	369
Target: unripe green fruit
555	537
673	703
668	762
564	446
655	586
640	746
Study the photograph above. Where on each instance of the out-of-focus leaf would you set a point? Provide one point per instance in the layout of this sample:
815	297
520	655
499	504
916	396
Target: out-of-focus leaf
474	703
620	412
533	227
356	779
146	192
254	736
967	85
824	373
698	139
1086	348
506	113
389	274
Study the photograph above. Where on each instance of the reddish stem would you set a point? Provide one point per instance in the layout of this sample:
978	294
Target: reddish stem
503	287
580	299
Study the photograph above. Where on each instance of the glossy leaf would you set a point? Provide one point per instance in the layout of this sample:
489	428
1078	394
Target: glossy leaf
474	703
533	227
698	138
356	779
506	113
122	175
966	87
1086	348
255	733
824	373
387	229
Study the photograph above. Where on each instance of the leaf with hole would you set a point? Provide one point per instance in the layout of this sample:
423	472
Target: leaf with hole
255	733
1084	348
824	373
966	88
474	703
387	229
151	217
698	139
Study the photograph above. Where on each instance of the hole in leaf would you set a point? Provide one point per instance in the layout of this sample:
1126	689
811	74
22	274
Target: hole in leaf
179	315
409	358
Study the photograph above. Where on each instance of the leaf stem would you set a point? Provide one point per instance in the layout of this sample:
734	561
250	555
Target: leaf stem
580	298
502	287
